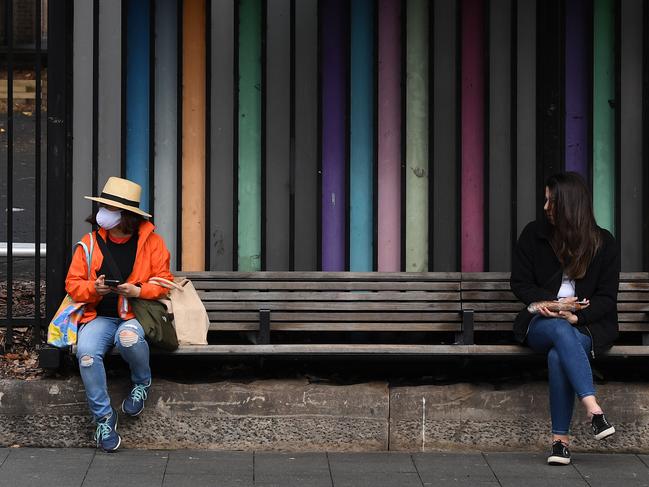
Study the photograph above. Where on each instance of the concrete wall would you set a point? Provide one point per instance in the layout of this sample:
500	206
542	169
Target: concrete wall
298	416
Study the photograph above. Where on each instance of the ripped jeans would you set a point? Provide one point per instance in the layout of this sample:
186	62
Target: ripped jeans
93	341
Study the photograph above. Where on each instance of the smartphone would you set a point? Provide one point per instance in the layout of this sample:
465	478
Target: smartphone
112	282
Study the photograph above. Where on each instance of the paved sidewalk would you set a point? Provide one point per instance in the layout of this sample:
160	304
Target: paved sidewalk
142	468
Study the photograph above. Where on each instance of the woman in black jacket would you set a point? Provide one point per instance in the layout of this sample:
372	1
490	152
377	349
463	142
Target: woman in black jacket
567	257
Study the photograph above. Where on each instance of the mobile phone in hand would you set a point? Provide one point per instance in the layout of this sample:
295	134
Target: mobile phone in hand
112	282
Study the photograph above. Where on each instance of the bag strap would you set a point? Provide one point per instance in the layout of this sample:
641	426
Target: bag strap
161	281
87	251
108	257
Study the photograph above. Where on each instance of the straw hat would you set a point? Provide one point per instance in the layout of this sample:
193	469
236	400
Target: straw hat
121	193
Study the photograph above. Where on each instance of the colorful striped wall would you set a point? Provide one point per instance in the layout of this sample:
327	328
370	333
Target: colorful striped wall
361	135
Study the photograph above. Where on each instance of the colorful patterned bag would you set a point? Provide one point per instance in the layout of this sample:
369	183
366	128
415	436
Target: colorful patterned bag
62	330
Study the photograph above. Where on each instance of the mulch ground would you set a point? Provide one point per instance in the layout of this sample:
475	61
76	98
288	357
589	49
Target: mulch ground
20	359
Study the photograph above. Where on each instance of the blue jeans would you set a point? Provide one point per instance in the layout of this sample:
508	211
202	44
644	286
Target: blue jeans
568	366
93	341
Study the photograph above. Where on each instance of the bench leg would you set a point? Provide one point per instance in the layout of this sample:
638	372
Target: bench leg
645	338
466	336
264	327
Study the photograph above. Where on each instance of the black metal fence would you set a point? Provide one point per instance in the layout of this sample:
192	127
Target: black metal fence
34	82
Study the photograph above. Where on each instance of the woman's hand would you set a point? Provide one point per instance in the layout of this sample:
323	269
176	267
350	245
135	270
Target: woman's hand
128	290
100	287
569	317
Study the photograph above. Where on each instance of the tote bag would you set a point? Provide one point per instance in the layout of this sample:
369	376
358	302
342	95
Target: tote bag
62	330
190	318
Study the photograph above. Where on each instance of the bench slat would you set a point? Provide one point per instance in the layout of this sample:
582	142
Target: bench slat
328	296
339	316
326	286
330	306
322	276
342	326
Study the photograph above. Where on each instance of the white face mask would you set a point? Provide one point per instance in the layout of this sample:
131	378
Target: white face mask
108	219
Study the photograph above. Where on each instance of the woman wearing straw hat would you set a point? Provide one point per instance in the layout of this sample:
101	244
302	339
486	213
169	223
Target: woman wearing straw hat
137	254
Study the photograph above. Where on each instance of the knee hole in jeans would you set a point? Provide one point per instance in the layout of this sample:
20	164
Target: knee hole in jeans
86	361
128	338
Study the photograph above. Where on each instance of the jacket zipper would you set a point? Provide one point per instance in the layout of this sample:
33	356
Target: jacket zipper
592	342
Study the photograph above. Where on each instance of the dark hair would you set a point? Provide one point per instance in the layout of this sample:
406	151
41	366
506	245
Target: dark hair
575	236
129	224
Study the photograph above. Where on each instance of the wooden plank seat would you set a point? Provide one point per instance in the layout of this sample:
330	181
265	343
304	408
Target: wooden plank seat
318	302
489	304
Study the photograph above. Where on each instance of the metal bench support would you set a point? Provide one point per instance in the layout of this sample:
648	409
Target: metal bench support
466	337
263	337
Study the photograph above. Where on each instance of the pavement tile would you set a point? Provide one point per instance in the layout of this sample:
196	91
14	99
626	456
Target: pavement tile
280	468
541	482
34	467
599	467
371	462
122	480
533	466
453	467
378	479
204	480
130	462
227	465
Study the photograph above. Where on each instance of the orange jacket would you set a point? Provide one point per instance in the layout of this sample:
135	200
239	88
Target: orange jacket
151	260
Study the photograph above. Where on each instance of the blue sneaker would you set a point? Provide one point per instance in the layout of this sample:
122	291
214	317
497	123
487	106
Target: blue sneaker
106	434
134	403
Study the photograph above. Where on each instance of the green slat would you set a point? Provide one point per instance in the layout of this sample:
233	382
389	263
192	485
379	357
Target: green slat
604	114
417	136
249	214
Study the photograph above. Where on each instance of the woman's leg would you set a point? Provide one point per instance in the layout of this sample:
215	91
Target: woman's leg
93	341
129	340
568	367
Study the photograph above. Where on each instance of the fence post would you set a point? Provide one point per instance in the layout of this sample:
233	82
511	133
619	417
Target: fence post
59	151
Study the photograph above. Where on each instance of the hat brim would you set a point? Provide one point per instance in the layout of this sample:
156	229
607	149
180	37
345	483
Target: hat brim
117	204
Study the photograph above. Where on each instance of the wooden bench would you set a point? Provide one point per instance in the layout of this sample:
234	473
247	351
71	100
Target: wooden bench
320	313
488	303
424	315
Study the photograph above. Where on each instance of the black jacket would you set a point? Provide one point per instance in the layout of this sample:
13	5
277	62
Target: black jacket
536	276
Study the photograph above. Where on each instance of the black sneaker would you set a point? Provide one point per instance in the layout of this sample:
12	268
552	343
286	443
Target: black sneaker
560	454
601	427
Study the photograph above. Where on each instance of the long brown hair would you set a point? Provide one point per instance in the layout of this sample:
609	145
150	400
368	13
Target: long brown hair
575	236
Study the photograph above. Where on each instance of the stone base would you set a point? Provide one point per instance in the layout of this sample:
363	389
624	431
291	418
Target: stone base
298	416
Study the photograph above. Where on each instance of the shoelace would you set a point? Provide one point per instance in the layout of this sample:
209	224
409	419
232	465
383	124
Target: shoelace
139	393
103	431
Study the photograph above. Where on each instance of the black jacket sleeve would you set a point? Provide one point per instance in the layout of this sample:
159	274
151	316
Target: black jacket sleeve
522	279
604	299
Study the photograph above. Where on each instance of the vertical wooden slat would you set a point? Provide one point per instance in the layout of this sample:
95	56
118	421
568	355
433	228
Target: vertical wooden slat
334	24
222	128
525	113
577	67
473	79
550	96
306	136
604	114
166	122
417	150
82	115
110	91
278	105
193	136
445	138
249	143
138	35
500	163
389	136
631	135
361	159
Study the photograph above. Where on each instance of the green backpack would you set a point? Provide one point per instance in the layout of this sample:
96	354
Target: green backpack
156	322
